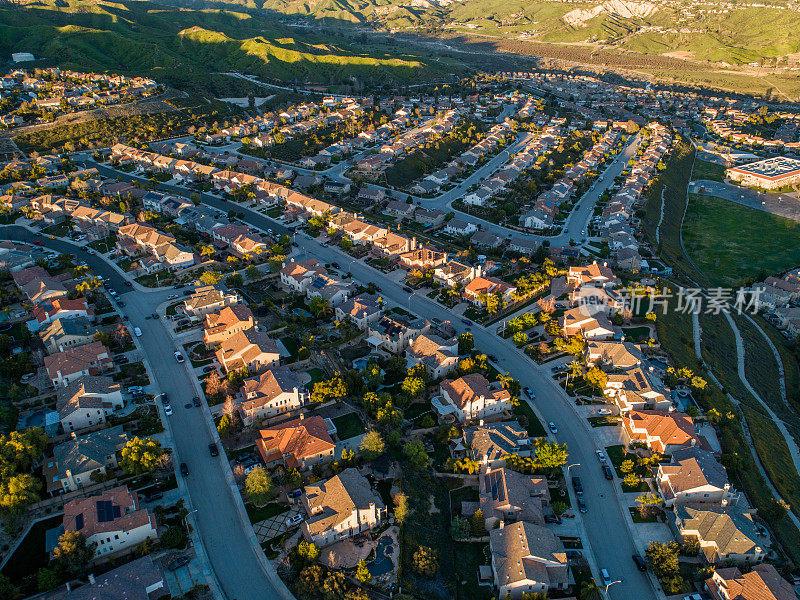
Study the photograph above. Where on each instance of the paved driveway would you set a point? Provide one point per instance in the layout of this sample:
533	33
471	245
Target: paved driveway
274	526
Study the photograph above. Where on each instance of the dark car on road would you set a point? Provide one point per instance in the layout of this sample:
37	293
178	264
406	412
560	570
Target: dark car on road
212	448
184	469
582	504
577	485
609	474
196	400
640	563
178	562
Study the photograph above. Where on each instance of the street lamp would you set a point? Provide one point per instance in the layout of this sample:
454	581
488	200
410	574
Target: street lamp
573	465
609	584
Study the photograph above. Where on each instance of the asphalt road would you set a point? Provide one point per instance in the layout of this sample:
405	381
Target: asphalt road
239	571
608	533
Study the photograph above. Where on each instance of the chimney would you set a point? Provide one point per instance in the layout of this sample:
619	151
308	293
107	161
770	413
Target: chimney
91	578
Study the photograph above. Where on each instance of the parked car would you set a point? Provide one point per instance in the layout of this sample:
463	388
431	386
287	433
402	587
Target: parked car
529	392
168	410
295	493
552	427
294	520
608	473
600	456
208	369
196	400
577	485
582	504
606	577
184	469
640	563
212	448
693	597
153	497
137	331
179	357
604	411
164	399
178	562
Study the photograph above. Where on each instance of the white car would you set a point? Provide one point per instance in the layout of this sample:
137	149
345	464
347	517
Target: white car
600	456
168	410
298	518
179	357
137	331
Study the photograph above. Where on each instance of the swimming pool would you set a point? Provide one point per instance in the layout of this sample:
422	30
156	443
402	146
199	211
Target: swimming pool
383	563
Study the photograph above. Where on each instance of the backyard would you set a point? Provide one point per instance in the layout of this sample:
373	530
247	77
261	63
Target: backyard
348	425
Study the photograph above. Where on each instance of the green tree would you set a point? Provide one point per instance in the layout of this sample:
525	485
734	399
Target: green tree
425	561
234	280
73	553
331	389
663	559
309	581
466	342
372	445
362	572
415	452
210	277
478	523
174	537
224	426
46	579
308	551
400	507
252	272
550	455
335	586
590	591
596	378
630	481
648	504
140	455
627	466
520	338
413	386
19	491
258	486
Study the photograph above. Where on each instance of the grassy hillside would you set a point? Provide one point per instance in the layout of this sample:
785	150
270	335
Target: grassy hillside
182	46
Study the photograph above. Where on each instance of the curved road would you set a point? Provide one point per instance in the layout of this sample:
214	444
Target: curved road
241	571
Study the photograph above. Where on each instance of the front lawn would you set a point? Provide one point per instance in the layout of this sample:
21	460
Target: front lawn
534	427
258	514
704	169
636	334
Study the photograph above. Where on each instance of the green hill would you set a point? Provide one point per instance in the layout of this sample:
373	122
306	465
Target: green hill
182	46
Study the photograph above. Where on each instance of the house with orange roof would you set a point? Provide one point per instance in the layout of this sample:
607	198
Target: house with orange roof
249	348
221	325
61	308
763	582
594	273
472	397
89	359
273	392
483	286
112	521
423	258
298	276
662	431
297	444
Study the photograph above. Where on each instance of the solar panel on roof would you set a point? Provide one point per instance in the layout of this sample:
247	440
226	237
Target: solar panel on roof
79	522
105	511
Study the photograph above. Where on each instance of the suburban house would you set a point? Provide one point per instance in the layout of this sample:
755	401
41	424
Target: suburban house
527	557
271	393
588	324
632	390
298	276
137	580
460	227
613	355
393	332
61	308
341	507
113	521
60	334
77	458
663	432
490	443
89	359
762	582
472	397
297	444
480	287
221	325
438	356
595	274
694	476
135	239
330	289
506	496
454	273
249	348
209	299
87	401
423	259
724	533
361	310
